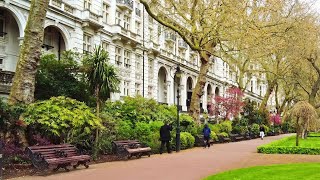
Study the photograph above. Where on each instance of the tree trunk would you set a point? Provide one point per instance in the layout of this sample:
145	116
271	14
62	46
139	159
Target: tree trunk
297	132
97	92
23	86
266	96
198	90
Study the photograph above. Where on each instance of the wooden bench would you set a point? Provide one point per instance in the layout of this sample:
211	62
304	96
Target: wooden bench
129	148
236	137
223	139
199	141
56	156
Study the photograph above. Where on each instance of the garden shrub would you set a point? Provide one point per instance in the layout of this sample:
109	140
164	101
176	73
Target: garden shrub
215	128
266	129
62	119
124	130
187	140
288	150
142	132
255	128
213	136
187	124
223	134
226	126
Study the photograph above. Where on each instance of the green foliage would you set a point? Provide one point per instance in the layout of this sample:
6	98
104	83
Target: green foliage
287	146
289	150
266	128
224	134
63	119
226	126
187	124
61	78
124	130
279	172
136	109
213	136
187	140
255	128
142	132
9	118
215	128
101	76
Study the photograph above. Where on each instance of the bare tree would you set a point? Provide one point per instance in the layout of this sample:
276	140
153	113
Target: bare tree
211	26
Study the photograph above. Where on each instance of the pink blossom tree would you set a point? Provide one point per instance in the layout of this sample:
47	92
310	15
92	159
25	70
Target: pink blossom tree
229	106
275	119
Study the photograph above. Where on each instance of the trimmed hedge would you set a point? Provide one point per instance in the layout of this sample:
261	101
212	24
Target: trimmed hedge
277	147
288	150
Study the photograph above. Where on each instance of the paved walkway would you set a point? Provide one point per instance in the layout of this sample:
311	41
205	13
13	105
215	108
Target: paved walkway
193	164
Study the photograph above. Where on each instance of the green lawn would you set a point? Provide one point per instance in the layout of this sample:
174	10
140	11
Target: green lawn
306	171
291	142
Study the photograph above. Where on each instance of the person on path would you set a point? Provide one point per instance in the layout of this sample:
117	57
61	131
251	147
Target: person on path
206	135
261	132
165	137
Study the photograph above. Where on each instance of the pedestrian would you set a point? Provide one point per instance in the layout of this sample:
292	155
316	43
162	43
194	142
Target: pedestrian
261	131
165	137
206	135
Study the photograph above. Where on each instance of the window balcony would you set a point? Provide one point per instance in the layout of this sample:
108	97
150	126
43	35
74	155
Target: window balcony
59	4
92	20
182	44
170	37
154	48
125	4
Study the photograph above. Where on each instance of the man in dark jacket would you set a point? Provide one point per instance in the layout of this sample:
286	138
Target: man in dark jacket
206	135
165	137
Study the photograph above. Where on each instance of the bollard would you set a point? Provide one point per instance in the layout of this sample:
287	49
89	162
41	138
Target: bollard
1	159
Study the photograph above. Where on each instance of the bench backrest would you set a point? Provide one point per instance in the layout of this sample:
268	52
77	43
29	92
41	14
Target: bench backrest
53	151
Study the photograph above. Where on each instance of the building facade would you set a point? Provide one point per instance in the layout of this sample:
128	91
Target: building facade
145	52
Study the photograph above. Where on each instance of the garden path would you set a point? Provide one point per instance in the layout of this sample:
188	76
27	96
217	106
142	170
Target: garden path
193	164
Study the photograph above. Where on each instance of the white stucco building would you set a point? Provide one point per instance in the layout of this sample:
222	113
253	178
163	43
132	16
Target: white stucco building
145	53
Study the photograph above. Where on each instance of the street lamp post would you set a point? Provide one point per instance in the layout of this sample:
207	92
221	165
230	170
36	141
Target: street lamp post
178	75
178	120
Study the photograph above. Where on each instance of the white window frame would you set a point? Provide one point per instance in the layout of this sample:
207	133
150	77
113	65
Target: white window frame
118	55
87	4
87	42
118	18
126	59
150	91
151	68
105	45
105	13
126	22
126	88
138	27
137	89
138	63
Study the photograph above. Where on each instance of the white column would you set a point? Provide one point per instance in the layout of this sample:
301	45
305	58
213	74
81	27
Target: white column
204	97
169	97
183	92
